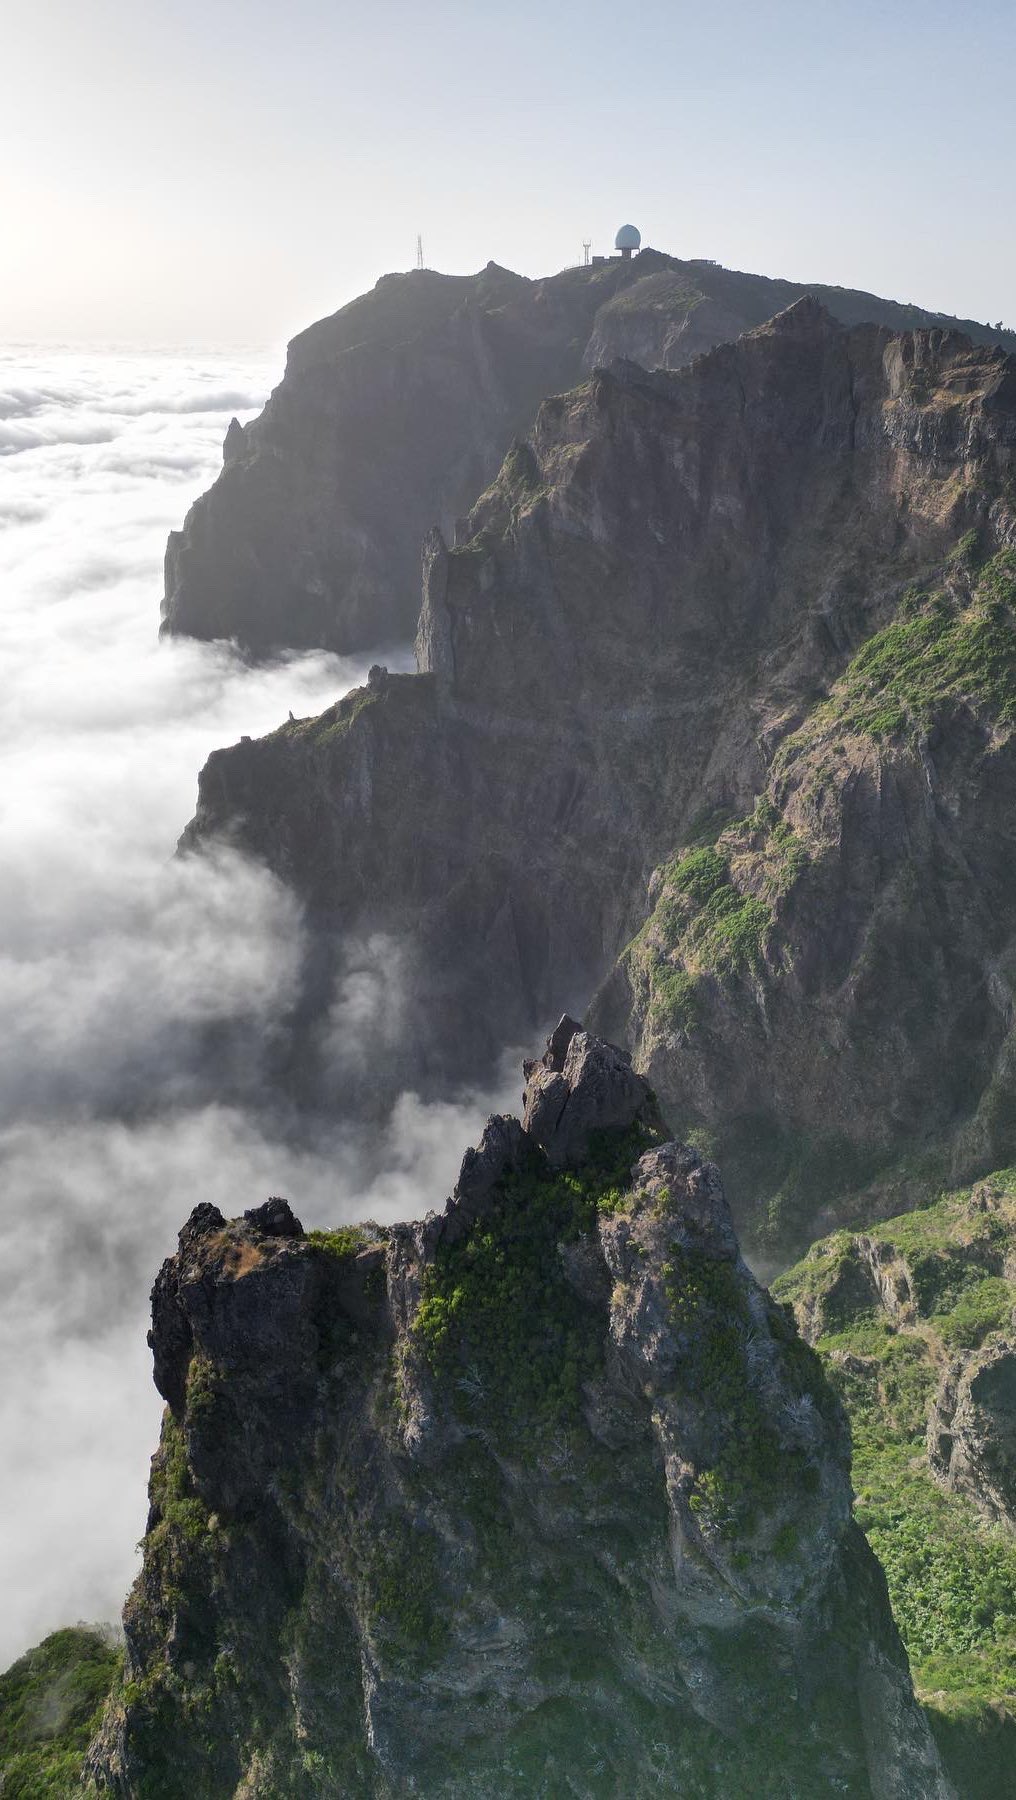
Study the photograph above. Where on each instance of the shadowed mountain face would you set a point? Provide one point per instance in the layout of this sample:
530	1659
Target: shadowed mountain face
776	576
542	1495
395	414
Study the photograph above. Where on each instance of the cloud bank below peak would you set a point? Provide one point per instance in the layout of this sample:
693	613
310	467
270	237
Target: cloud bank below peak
124	972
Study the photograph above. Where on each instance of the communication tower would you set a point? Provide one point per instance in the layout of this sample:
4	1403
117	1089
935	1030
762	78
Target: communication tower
587	244
419	250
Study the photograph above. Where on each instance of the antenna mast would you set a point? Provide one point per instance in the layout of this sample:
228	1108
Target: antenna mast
587	244
419	250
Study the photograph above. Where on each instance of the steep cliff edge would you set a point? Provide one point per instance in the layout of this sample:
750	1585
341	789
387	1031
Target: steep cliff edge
542	1495
914	1321
396	412
749	625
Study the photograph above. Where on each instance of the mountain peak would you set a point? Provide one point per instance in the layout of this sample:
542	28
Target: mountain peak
806	317
568	1454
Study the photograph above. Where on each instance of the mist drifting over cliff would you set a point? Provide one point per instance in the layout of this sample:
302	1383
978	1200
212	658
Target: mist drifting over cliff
118	962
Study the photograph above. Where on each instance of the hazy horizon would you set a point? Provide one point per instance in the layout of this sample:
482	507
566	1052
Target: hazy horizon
225	177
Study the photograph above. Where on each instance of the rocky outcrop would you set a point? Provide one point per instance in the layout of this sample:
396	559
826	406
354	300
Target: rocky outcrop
910	1272
972	1429
867	1275
747	625
394	415
541	1495
580	1086
675	311
233	443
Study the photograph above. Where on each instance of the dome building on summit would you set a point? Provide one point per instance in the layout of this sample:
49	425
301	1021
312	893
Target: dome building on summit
627	241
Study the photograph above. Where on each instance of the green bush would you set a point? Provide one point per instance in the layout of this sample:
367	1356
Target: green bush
752	1469
700	874
706	920
675	998
952	1580
344	1241
498	1318
983	1308
51	1701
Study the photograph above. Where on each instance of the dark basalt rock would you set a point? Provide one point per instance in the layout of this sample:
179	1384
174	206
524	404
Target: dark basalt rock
367	1572
205	1219
601	1094
706	1213
275	1218
233	443
501	1150
581	1086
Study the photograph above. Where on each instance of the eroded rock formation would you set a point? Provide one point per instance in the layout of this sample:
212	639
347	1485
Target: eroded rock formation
972	1428
542	1495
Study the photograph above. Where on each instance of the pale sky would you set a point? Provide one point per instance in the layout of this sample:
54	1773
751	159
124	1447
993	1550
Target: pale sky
225	171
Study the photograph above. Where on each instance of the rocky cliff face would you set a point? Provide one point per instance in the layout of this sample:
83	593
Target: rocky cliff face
542	1495
394	415
972	1429
825	981
748	625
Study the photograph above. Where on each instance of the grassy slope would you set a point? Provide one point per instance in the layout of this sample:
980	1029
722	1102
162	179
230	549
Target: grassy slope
50	1702
952	1576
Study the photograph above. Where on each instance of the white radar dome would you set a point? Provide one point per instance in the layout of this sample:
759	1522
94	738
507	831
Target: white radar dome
628	238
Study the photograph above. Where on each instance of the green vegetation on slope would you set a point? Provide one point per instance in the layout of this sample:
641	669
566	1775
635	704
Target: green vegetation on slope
50	1703
714	911
743	902
326	729
183	1519
942	648
715	907
669	291
344	1241
498	1316
755	1465
951	1574
333	724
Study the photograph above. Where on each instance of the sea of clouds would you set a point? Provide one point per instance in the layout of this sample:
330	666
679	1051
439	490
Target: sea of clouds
116	959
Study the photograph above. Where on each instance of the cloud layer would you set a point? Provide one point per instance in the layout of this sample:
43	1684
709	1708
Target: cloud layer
115	960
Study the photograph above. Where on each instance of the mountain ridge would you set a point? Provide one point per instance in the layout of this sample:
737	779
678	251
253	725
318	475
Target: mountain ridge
395	413
644	622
